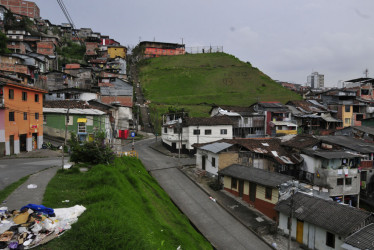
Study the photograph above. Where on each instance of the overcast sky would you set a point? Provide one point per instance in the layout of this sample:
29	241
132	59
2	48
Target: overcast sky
286	39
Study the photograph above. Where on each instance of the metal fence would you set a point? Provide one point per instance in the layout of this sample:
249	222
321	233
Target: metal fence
204	49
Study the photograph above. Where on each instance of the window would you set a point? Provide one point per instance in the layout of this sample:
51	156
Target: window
213	162
208	131
196	131
11	116
364	175
165	130
24	96
234	183
44	119
25	116
81	127
268	193
348	181
347	120
339	181
246	120
175	130
36	97
223	131
58	95
330	239
90	120
11	93
347	108
36	116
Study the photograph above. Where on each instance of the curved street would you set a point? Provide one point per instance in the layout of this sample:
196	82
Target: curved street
216	224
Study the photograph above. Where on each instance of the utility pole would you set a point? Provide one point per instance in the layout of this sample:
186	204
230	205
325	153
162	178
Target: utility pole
291	215
66	132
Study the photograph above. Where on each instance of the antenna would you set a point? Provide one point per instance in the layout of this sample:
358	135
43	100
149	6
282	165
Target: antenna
366	72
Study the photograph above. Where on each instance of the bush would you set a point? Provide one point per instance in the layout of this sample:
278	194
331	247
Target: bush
94	152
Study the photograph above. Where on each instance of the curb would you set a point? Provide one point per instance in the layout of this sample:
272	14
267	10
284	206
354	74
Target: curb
226	209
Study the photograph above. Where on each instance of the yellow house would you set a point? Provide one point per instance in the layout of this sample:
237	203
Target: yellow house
117	51
347	115
257	187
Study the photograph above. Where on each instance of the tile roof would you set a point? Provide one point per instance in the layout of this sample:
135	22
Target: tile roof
307	106
256	175
72	104
363	239
336	218
207	121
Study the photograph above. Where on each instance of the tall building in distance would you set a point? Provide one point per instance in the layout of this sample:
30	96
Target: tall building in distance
316	81
25	8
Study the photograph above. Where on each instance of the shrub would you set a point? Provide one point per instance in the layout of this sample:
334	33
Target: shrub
94	152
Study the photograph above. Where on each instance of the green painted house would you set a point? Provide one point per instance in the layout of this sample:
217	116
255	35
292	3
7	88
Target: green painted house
84	120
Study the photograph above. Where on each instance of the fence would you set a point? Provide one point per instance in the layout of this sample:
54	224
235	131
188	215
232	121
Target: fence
204	49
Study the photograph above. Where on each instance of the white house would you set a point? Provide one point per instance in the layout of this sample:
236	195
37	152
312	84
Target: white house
318	223
183	133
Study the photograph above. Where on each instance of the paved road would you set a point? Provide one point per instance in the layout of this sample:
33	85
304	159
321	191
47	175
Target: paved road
217	225
12	170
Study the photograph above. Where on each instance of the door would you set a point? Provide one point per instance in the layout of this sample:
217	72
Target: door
252	192
299	231
241	187
34	141
203	162
311	236
22	140
11	144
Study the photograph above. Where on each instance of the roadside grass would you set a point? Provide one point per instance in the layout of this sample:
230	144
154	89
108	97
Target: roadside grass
126	209
9	189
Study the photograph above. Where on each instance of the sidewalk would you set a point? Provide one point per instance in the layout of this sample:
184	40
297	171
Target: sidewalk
24	195
254	220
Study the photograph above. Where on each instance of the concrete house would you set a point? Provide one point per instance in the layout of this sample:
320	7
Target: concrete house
182	133
247	123
318	223
71	94
84	120
277	118
258	187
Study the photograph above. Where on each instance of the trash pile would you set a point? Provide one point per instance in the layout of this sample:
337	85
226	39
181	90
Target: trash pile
34	225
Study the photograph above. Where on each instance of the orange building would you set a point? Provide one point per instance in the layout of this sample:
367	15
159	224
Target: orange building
21	117
157	49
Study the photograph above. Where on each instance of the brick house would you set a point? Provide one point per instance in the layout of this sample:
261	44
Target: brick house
25	8
156	49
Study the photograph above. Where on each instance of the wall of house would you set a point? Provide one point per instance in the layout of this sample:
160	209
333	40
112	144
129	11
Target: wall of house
46	48
347	115
202	138
208	161
227	158
20	126
117	52
310	163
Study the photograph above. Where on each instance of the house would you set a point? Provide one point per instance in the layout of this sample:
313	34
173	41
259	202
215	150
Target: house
313	117
156	49
25	8
182	132
21	110
277	118
55	80
247	124
262	153
258	187
84	75
115	51
84	120
318	223
71	94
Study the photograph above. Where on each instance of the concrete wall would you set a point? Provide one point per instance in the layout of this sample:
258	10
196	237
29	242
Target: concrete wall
202	138
208	161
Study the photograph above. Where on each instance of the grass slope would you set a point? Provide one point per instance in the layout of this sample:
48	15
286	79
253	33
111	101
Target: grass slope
217	78
126	209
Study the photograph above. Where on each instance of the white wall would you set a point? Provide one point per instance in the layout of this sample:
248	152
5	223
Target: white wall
310	163
29	144
87	96
208	161
40	141
202	138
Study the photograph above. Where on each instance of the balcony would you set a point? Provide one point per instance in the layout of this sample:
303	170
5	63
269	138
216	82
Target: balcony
366	164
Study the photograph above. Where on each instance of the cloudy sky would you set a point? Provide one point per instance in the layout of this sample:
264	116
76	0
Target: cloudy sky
286	39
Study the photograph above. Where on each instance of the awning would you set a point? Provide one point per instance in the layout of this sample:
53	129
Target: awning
84	120
329	118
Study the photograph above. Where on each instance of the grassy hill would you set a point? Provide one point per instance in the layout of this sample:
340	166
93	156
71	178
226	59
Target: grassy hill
126	209
199	80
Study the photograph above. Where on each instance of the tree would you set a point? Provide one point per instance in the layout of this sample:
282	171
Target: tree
3	44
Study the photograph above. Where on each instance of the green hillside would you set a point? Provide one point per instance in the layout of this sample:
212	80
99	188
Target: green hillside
199	80
126	209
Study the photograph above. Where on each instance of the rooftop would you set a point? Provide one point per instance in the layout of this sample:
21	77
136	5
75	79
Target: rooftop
256	175
362	239
354	144
336	218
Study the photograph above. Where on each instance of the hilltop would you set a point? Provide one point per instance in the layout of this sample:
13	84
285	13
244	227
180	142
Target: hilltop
196	81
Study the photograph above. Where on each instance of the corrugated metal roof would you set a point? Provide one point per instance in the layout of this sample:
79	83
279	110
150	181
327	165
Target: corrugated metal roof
120	88
74	111
256	175
332	154
281	123
216	147
354	144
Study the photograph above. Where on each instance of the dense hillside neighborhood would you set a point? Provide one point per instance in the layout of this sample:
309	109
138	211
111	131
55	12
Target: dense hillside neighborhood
301	156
